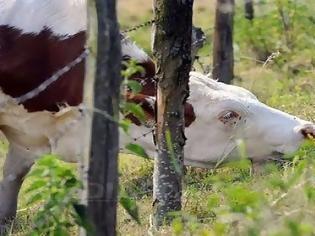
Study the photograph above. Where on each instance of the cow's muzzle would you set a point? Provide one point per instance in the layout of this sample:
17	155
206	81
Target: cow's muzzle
308	131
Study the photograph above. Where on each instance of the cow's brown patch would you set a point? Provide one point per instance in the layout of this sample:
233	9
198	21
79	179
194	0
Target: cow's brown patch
148	81
190	115
148	105
27	60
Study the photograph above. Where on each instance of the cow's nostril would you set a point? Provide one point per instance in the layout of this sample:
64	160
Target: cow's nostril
308	132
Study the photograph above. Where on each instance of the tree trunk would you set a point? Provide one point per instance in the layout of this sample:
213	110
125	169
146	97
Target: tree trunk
223	56
249	9
172	49
88	100
103	165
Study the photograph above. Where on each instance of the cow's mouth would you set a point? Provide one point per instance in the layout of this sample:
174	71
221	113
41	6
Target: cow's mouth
308	132
308	135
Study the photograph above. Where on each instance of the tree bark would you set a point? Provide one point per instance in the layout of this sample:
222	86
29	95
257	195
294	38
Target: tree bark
103	165
172	49
88	100
223	56
249	9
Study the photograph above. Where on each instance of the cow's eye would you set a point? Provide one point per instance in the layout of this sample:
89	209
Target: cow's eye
229	118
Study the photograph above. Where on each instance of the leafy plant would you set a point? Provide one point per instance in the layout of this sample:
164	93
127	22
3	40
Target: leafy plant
280	25
54	186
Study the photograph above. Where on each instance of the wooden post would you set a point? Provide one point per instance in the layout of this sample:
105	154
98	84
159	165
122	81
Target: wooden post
88	99
249	9
172	49
223	56
103	165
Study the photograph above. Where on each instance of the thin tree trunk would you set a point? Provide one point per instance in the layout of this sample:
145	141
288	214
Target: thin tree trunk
88	98
249	9
223	56
103	166
172	49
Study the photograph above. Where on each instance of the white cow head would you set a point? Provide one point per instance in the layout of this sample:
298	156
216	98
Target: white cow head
227	114
218	118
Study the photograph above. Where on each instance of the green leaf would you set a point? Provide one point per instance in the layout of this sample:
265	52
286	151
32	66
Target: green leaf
36	185
37	172
60	231
125	124
135	86
135	109
71	182
35	199
132	67
137	150
48	161
131	207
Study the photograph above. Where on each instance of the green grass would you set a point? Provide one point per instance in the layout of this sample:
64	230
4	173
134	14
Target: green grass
228	201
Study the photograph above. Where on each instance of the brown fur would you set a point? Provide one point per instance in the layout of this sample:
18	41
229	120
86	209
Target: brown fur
26	60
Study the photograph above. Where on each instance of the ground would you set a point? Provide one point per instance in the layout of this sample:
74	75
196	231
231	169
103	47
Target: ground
228	201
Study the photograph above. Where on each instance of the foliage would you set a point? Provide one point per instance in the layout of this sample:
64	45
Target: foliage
55	186
279	26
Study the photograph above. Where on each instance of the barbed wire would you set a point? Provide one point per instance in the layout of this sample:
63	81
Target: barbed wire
59	73
136	27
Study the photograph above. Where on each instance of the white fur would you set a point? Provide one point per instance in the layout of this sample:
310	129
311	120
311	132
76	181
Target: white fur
63	17
133	51
263	130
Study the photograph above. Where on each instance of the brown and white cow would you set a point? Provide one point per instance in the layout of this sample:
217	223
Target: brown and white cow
40	37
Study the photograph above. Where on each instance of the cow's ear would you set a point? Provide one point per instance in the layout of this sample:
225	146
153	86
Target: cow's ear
229	118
